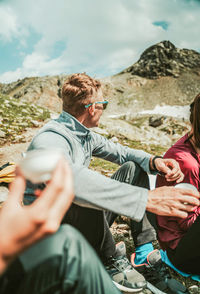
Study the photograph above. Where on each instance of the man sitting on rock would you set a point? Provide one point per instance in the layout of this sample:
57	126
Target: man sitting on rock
126	193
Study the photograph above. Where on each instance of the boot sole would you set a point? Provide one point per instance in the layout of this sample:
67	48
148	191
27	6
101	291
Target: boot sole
128	290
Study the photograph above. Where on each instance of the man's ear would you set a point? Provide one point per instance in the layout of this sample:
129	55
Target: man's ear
91	109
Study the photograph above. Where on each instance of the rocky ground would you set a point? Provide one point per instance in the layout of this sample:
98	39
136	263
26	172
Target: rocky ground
120	229
164	75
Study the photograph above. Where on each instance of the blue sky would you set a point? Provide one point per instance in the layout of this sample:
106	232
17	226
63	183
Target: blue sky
101	37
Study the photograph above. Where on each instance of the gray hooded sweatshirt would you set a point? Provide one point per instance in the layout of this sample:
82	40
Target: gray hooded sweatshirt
79	144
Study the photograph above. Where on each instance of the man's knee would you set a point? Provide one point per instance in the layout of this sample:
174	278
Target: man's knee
132	168
130	172
50	247
126	172
129	165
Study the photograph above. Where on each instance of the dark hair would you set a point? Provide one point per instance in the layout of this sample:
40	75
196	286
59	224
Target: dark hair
195	119
78	91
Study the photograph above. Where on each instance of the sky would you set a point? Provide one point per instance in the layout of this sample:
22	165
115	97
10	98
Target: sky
99	37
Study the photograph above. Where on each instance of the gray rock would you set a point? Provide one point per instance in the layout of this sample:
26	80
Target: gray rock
35	123
164	59
156	122
2	134
3	193
114	139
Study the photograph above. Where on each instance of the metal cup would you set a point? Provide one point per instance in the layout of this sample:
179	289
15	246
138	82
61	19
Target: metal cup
38	165
186	186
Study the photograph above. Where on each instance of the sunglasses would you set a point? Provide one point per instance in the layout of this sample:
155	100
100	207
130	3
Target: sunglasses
105	103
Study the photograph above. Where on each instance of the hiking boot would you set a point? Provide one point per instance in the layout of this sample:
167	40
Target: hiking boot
156	273
124	276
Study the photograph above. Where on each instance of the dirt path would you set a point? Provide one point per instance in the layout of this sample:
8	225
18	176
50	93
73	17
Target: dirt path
12	152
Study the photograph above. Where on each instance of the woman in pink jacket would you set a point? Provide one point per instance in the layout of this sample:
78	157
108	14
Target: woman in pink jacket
181	237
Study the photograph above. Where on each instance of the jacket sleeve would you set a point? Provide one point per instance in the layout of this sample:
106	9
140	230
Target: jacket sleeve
117	153
94	188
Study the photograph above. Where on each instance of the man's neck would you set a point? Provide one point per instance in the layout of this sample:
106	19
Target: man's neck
83	119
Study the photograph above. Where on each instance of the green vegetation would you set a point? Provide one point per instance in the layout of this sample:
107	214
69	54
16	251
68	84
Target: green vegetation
105	167
151	148
139	121
108	168
16	116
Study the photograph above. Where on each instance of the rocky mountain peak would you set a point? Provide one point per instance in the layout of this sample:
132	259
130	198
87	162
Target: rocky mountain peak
164	59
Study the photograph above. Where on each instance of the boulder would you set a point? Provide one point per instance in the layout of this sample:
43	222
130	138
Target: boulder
164	59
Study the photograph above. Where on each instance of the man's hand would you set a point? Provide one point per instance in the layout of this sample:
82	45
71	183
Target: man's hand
21	226
170	169
172	201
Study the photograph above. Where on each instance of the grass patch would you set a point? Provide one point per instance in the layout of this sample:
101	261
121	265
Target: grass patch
151	148
16	116
108	168
103	166
139	121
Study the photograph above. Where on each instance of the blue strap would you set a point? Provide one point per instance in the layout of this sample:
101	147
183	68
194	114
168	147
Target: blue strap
166	260
141	253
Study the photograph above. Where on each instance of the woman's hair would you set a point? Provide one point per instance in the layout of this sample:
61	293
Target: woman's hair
195	119
77	92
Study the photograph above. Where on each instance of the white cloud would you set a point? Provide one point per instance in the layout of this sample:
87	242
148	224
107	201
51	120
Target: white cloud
100	36
8	25
9	76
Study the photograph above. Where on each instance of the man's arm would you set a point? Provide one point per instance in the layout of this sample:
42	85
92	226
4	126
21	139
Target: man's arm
21	226
114	152
94	188
100	191
117	153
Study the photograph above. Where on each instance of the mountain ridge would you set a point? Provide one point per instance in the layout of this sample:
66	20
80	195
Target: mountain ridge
164	59
163	74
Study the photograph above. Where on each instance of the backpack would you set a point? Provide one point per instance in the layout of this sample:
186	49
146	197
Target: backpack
7	172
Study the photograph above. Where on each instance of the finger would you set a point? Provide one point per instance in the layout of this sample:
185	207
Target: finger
187	207
190	200
176	210
178	175
64	198
17	188
174	174
172	163
69	183
189	192
164	169
180	179
61	206
179	213
50	194
18	172
184	206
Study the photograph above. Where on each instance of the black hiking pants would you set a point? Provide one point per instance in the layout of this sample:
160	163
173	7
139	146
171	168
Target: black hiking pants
94	224
63	263
186	256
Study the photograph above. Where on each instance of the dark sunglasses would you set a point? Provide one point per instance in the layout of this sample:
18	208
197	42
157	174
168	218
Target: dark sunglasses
105	103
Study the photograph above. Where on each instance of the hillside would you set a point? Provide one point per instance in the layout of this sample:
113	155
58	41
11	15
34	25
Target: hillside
163	75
